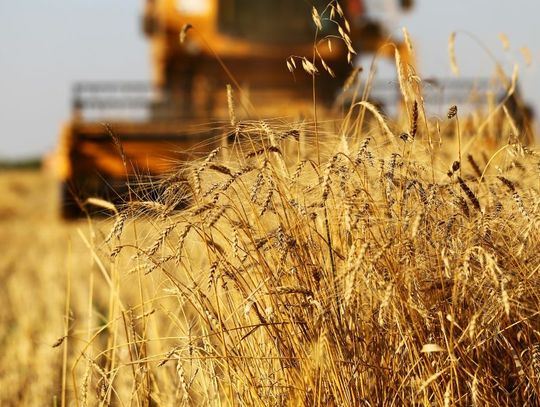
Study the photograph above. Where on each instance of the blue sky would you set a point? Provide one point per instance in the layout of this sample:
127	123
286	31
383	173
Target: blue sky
45	45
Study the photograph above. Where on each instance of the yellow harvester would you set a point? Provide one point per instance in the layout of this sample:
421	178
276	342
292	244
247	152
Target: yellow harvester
244	43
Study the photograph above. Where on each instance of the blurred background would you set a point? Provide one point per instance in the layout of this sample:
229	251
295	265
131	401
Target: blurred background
46	45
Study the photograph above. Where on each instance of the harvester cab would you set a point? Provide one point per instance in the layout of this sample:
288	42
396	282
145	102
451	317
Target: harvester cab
243	43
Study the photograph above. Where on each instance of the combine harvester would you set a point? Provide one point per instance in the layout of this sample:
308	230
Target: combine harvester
244	43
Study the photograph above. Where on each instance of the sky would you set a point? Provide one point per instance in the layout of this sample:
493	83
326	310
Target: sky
46	45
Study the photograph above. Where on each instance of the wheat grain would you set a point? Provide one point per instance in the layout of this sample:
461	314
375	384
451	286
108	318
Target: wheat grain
470	194
452	53
230	105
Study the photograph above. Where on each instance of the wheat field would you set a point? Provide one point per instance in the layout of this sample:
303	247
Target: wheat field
37	249
388	273
345	260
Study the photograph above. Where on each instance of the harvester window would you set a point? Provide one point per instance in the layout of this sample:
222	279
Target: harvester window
269	21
